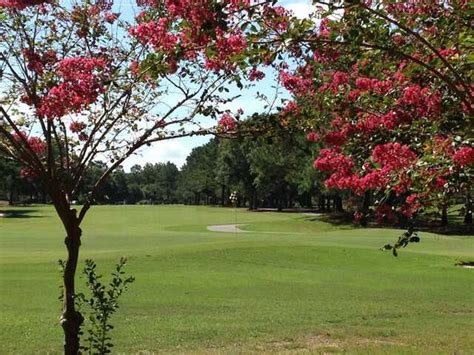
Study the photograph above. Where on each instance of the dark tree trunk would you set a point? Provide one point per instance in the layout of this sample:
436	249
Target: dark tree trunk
280	200
328	204
223	196
322	204
10	197
338	203
468	214
254	200
365	208
71	319
444	215
366	202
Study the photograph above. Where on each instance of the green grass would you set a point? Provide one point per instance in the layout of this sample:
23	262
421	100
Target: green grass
290	284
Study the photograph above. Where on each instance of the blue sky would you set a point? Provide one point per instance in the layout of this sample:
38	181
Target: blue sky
177	150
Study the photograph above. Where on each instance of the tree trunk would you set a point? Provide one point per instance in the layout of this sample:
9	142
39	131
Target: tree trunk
280	200
223	196
71	319
338	203
322	204
444	215
10	198
328	203
365	208
468	214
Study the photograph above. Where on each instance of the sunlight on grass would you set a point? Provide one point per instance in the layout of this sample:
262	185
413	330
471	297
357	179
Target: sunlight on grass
290	283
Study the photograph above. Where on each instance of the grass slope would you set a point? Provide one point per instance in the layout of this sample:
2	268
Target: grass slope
290	284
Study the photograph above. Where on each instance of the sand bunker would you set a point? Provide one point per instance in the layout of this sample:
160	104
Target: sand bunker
226	228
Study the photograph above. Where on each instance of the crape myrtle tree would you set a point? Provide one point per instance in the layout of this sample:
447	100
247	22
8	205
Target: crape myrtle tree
385	89
80	82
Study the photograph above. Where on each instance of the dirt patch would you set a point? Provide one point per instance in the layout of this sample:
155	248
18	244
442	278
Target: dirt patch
323	343
319	344
226	228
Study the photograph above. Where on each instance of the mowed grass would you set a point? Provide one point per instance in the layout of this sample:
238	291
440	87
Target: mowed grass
291	284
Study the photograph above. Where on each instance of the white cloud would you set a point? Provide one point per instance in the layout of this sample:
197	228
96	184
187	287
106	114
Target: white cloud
175	151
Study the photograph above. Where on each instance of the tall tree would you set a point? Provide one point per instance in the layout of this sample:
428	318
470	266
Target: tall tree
384	88
81	83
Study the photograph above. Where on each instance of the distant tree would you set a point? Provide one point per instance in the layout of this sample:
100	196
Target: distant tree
197	181
233	172
279	164
167	181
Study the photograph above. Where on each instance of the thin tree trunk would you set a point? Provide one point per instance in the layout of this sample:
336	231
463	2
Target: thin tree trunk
444	215
10	197
365	208
223	196
468	214
328	203
338	203
280	199
71	319
322	204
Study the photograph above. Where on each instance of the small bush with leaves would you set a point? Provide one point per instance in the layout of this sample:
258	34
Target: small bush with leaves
410	236
100	305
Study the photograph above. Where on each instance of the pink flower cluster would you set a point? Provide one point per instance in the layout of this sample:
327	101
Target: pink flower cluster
372	122
337	138
77	127
464	156
393	159
193	28
385	212
227	46
411	206
276	17
379	87
227	123
324	29
290	108
255	75
21	4
295	84
338	79
422	100
156	34
110	17
80	86
312	137
412	7
36	144
332	160
38	62
393	156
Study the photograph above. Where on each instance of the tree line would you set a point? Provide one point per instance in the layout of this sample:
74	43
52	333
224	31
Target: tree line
271	171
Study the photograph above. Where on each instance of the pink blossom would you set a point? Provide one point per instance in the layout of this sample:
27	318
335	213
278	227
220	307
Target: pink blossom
464	156
227	123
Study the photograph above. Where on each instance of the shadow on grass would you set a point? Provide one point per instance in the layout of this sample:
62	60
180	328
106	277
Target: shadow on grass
455	226
19	213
